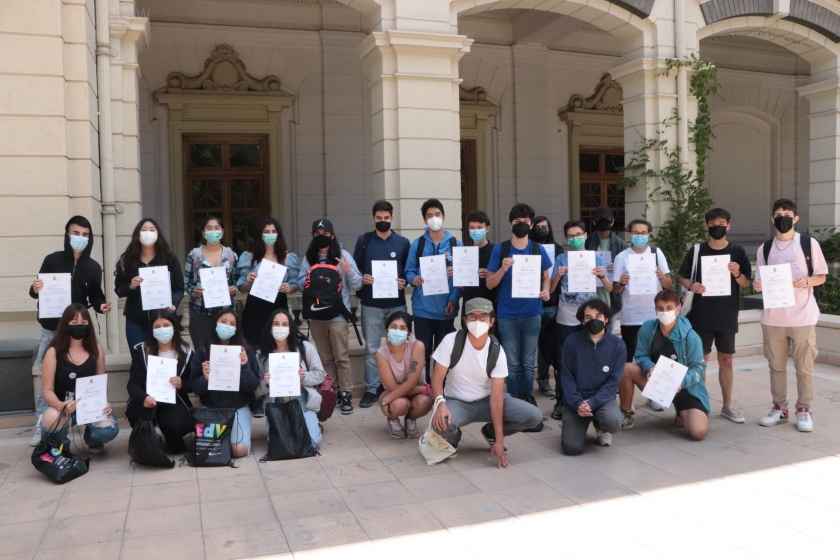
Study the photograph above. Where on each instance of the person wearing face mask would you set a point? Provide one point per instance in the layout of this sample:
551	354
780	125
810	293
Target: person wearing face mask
669	335
478	224
603	238
403	371
283	336
209	254
592	367
543	233
85	287
173	419
792	328
715	318
381	244
434	316
148	247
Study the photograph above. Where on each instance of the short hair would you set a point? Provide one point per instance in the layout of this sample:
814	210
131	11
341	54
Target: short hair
399	315
478	216
574	223
432	203
80	221
521	210
383	206
667	295
598	305
785	204
646	223
716	213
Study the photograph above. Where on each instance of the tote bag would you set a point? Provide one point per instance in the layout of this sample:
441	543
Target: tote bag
211	428
288	437
433	447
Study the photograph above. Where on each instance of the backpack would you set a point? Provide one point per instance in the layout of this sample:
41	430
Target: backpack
421	244
322	293
535	249
805	243
458	351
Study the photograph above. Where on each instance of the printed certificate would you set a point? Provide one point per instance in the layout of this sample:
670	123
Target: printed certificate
225	368
93	394
215	285
716	276
269	277
55	296
581	279
642	271
155	289
158	373
385	275
284	369
665	381
527	276
465	266
433	271
777	286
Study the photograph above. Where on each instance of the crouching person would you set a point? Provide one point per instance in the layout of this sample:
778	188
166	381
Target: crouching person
474	366
590	373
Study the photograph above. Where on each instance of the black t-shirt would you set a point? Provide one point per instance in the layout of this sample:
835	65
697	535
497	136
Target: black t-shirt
718	313
661	345
472	292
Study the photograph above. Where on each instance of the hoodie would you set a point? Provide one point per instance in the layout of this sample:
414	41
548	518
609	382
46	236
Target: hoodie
431	307
249	380
137	377
85	279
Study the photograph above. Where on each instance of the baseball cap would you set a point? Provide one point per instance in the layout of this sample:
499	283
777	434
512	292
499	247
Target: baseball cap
478	304
324	224
602	212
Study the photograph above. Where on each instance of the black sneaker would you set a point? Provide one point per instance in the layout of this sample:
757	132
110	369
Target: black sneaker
346	402
489	435
367	400
545	389
557	414
258	412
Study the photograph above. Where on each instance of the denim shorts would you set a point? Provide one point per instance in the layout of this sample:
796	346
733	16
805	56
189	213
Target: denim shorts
94	436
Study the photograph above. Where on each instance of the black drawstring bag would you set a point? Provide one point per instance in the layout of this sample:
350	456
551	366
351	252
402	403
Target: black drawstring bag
145	446
288	437
53	459
210	445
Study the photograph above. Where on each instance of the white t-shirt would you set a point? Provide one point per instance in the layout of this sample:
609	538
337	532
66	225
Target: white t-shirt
636	309
468	380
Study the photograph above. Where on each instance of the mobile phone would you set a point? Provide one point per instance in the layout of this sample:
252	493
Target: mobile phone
69	396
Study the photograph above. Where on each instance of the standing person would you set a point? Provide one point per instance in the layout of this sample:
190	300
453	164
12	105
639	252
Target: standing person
173	419
543	233
85	288
715	319
210	253
147	248
331	335
381	244
795	326
479	228
73	354
603	238
519	318
434	315
228	331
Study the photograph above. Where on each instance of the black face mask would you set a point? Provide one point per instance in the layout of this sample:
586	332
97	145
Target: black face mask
520	229
541	234
717	232
783	223
322	241
78	332
383	226
594	326
603	225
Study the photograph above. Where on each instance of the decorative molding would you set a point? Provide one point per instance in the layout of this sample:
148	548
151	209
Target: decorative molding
223	72
804	12
640	8
726	42
716	10
474	94
607	98
813	16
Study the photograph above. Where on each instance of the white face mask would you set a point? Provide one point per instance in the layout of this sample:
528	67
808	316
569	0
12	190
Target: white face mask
148	238
280	333
435	223
666	317
478	329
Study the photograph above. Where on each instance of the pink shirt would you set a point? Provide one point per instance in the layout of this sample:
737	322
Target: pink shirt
400	369
806	312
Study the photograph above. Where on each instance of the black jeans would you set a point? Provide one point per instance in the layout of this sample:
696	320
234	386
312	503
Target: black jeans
561	333
430	332
172	419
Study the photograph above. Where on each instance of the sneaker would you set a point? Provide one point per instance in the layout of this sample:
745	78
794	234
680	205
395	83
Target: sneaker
96	449
489	435
411	428
557	413
678	421
396	429
545	389
258	412
604	438
655	406
346	399
627	420
36	437
775	416
367	400
804	423
732	415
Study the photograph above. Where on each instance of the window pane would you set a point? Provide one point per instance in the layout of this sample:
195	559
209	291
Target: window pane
615	200
590	196
245	193
205	155
207	194
613	162
590	163
245	155
242	229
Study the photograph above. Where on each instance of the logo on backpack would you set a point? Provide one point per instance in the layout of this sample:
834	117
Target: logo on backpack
322	293
212	431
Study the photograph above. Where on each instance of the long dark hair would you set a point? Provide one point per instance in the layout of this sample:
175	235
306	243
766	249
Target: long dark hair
207	219
238	339
399	315
128	261
550	238
258	245
178	345
294	342
61	339
313	254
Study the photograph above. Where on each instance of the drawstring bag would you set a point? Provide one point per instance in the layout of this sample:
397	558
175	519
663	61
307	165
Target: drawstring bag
145	445
53	459
211	429
288	437
328	398
433	447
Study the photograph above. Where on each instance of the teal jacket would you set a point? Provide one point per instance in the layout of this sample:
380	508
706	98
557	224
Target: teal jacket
689	349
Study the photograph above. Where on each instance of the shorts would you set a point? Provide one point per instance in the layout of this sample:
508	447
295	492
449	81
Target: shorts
630	335
686	401
724	341
241	432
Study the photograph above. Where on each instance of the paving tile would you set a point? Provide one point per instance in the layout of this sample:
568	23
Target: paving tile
323	531
590	488
378	494
156	475
293	465
397	520
23	508
465	510
163	521
554	470
493	478
286	482
183	546
344	454
87	529
245	541
308	504
645	480
162	495
96	551
244	466
248	486
22	537
533	498
448	485
230	513
91	502
35	484
29	555
414	466
353	474
100	480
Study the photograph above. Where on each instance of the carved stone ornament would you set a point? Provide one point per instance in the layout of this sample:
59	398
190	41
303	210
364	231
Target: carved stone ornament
223	72
607	97
474	94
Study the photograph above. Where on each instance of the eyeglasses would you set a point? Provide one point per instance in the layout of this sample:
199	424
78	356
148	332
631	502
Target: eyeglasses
483	318
570	237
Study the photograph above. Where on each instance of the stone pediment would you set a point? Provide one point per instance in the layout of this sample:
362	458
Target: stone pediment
607	98
223	72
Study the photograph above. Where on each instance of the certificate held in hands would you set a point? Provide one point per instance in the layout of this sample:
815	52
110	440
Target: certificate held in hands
526	276
433	271
716	275
777	286
92	393
665	381
225	368
269	279
465	266
581	279
55	296
155	289
215	285
385	275
158	373
284	368
642	271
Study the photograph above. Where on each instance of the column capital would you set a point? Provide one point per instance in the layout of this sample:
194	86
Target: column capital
819	89
134	30
413	42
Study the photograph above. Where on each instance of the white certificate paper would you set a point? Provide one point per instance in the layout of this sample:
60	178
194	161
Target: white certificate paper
581	279
269	278
93	392
433	271
465	266
283	368
665	381
385	274
642	271
224	368
55	296
158	373
716	276
155	289
549	248
777	286
527	276
606	257
215	285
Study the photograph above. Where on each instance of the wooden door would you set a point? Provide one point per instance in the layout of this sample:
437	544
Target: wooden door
598	176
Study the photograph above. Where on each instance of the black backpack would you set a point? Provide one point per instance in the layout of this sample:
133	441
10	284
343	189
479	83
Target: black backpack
535	249
805	243
458	351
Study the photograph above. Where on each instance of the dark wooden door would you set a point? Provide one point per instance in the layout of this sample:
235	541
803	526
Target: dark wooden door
598	176
469	189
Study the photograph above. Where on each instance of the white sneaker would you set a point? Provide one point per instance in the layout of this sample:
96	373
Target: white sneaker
775	416
36	438
804	423
655	406
732	415
604	438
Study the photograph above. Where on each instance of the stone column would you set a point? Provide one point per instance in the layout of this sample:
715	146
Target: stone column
824	194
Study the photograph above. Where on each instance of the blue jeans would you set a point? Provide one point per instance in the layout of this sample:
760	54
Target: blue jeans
519	339
135	333
373	324
95	436
309	416
40	404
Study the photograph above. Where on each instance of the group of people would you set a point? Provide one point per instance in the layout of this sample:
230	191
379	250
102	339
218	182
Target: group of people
485	372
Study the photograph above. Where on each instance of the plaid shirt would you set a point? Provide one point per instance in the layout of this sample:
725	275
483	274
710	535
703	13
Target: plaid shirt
196	261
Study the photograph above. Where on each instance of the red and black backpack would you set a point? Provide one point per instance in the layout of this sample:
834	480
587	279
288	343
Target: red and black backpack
322	293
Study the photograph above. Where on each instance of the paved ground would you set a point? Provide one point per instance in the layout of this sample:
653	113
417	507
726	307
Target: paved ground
744	492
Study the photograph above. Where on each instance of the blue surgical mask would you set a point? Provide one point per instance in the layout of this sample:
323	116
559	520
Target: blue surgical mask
269	238
213	237
78	243
163	334
478	235
225	332
639	240
396	337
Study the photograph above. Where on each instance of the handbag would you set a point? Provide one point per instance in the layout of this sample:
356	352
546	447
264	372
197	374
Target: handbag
688	295
328	398
145	445
288	436
433	447
53	459
210	445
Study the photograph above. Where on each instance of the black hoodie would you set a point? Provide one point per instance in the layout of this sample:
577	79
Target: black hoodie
85	280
